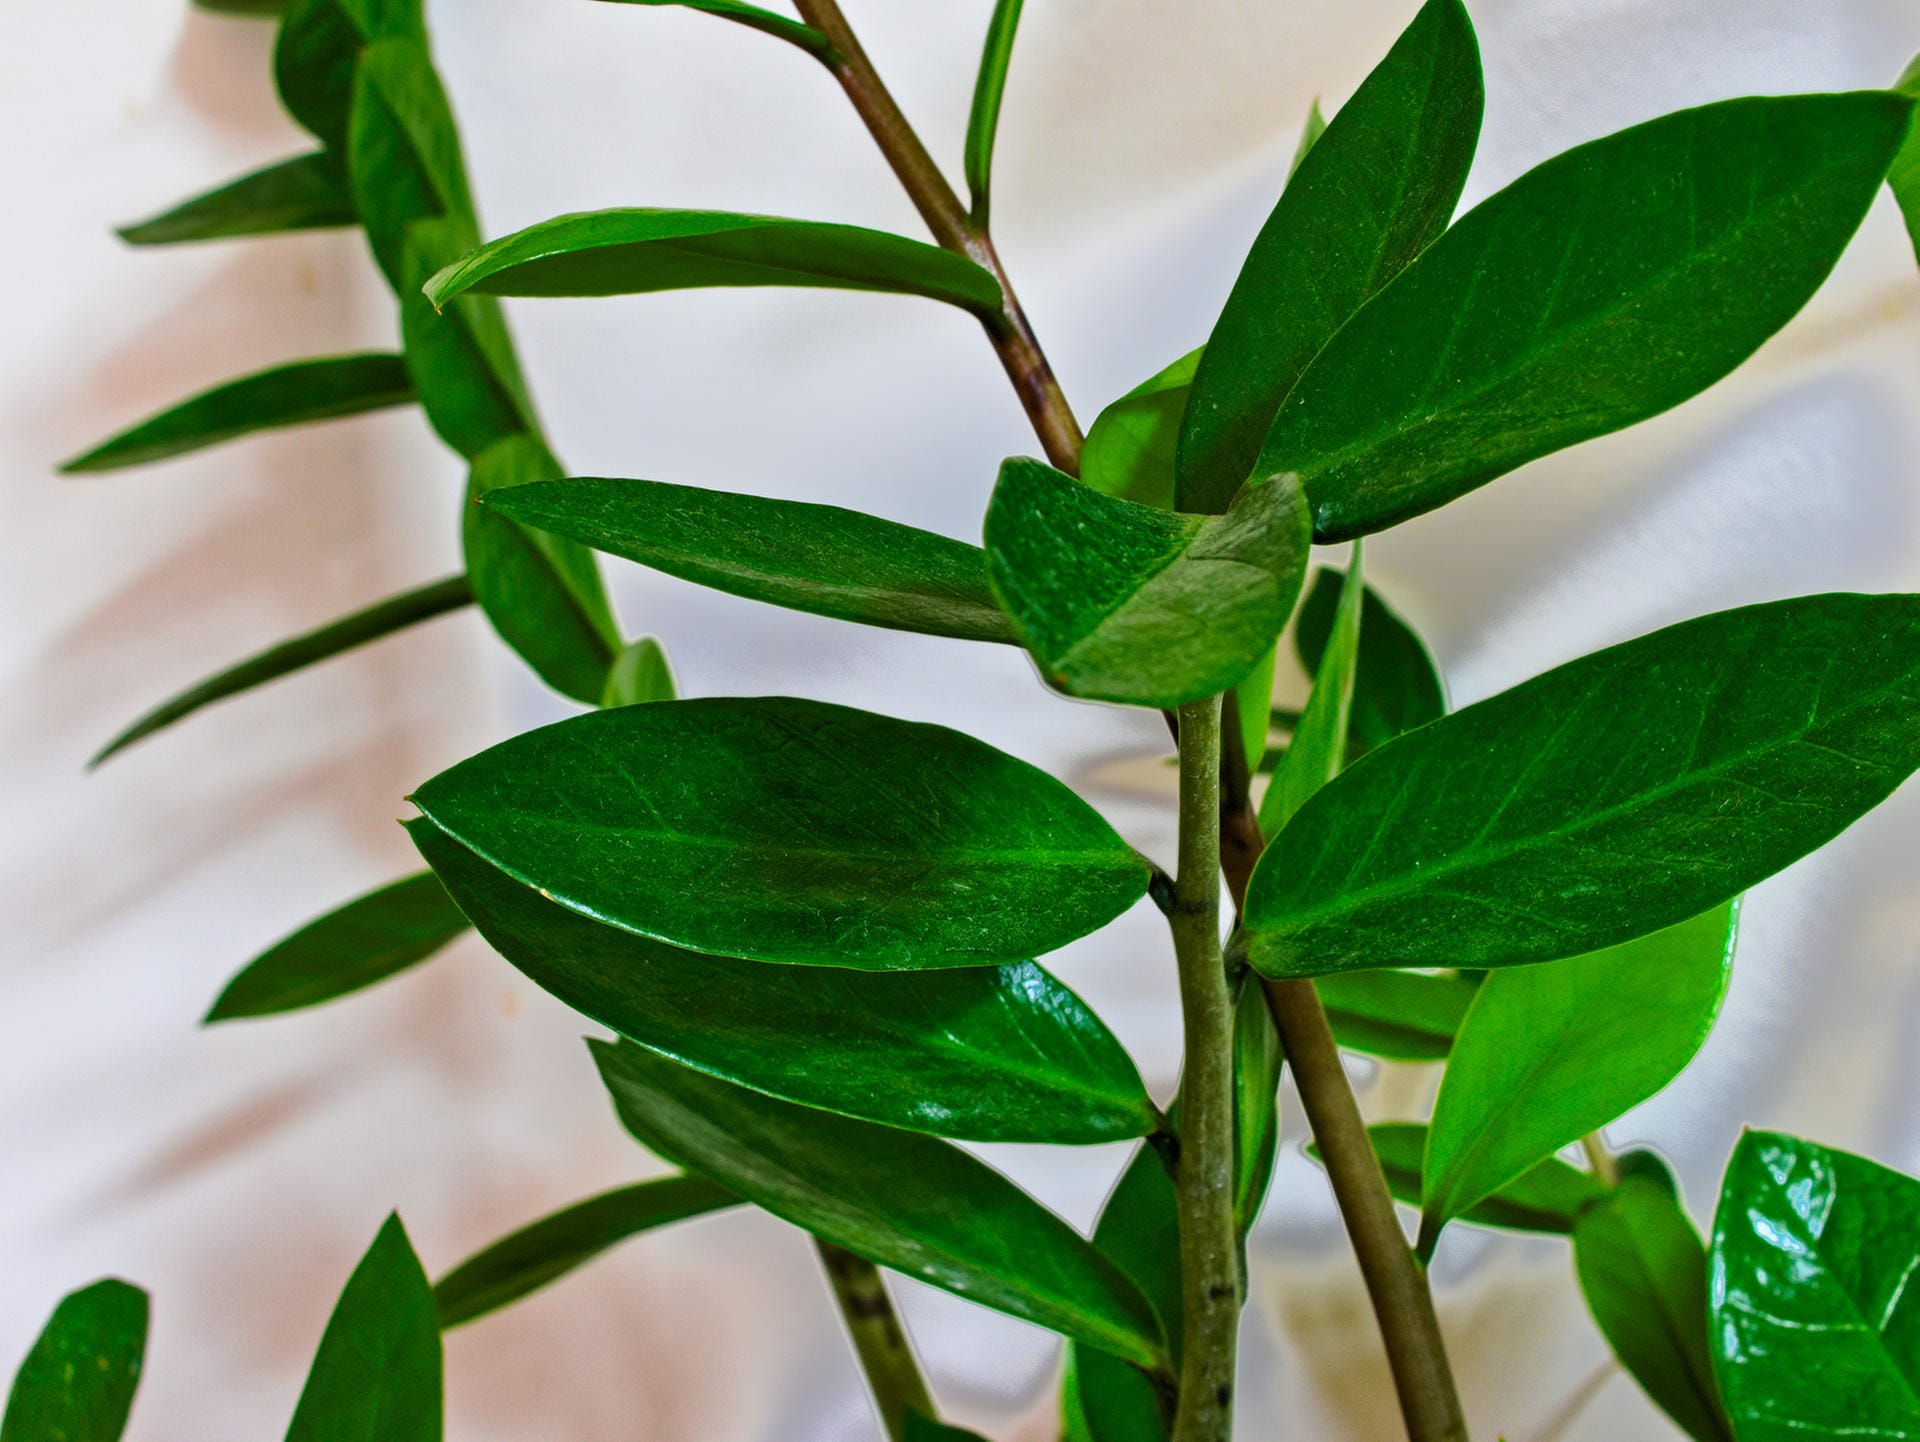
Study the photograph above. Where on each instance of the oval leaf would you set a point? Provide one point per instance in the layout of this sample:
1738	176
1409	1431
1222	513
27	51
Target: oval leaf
305	193
1549	1198
1129	450
1603	287
404	149
1396	685
77	1383
319	47
820	559
777	829
631	252
1611	797
1123	602
1401	1015
920	1206
639	674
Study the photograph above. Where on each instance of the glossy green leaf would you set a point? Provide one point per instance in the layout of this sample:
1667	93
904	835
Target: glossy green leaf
1904	174
1548	1054
925	1429
376	1377
640	673
784	830
1251	701
290	395
821	559
1611	797
1812	1333
984	1053
1257	1060
1129	450
1549	1198
631	252
77	1383
988	90
1370	194
530	1258
369	939
1118	601
754	17
319	49
461	358
1317	751
918	1205
335	638
405	150
541	592
1401	1015
305	193
1396	685
1643	1269
1603	287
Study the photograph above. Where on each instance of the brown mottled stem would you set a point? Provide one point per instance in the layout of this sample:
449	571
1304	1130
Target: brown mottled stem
886	1356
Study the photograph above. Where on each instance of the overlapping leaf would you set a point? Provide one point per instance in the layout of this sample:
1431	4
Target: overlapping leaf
1401	1015
319	50
640	673
77	1383
1129	450
1396	685
1318	751
1549	1198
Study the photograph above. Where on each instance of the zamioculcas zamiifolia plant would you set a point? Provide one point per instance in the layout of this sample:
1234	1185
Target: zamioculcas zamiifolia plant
817	935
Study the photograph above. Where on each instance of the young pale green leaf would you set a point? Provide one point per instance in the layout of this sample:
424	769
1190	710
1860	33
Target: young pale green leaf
1549	1198
1550	1053
918	1205
1318	751
1248	708
1605	286
640	673
542	592
335	638
1368	196
319	49
77	1383
821	559
1396	685
1123	602
530	1258
983	1053
777	829
1257	1060
1310	133
1813	1334
631	252
1129	451
1607	799
1904	174
755	18
376	1377
1643	1269
308	192
988	90
404	149
290	395
369	939
1401	1015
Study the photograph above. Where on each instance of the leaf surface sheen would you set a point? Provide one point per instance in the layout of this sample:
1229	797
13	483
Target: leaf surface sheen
77	1383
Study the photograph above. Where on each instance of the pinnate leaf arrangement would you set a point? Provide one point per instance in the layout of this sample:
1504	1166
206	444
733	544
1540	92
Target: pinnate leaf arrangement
817	935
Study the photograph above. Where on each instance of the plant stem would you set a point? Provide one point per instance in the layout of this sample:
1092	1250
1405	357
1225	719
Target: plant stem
886	1356
1600	1159
1203	1177
940	206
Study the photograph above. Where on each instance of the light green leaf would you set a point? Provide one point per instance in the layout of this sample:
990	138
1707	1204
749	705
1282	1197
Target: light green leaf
820	559
1318	750
1548	1054
752	16
988	90
1605	800
77	1383
1396	685
1607	285
319	48
289	395
784	830
305	193
536	1255
1257	1060
918	1205
1401	1015
640	673
1129	451
1123	602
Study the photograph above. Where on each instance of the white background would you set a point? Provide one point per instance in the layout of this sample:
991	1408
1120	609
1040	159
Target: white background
239	1172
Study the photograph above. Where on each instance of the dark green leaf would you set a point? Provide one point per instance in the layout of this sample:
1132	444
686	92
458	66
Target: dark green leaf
1611	797
923	1429
988	90
369	939
822	559
305	193
1550	1053
1603	287
1549	1198
1369	196
405	151
640	673
376	1377
785	830
1119	601
1402	1015
553	1246
77	1383
1317	751
334	639
989	1054
1129	451
1812	1335
1396	685
1643	1164
1644	1272
1904	174
752	16
319	49
461	358
631	252
254	8
1139	1230
289	395
542	592
920	1206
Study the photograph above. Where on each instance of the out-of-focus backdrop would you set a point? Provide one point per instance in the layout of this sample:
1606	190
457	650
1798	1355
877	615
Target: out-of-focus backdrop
239	1172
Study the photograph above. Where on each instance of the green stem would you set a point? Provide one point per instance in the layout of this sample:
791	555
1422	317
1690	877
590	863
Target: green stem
1203	1177
886	1356
1601	1159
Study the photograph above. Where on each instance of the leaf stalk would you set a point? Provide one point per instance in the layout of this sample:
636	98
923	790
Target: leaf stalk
879	1339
